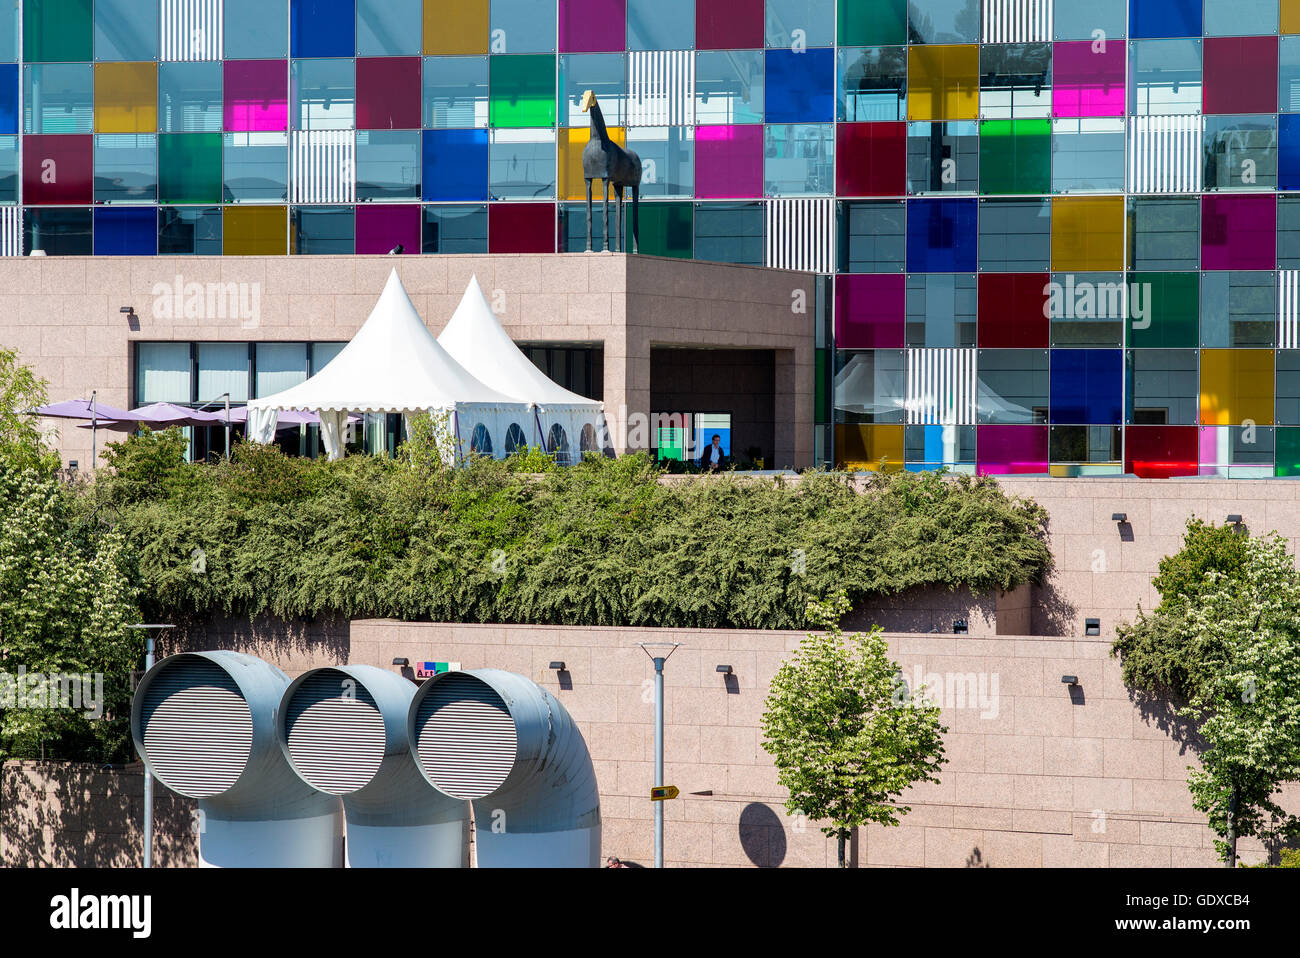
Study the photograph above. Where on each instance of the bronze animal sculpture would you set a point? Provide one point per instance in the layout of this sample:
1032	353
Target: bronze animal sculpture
605	160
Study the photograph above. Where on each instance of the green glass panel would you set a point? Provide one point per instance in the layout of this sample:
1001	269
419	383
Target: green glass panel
1163	310
665	230
1288	451
57	31
1015	156
672	443
189	168
867	23
522	90
819	392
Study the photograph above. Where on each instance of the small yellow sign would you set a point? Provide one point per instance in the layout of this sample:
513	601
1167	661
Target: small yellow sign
662	793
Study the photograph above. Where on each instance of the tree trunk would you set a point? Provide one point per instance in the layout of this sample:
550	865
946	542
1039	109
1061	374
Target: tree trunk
843	838
1232	829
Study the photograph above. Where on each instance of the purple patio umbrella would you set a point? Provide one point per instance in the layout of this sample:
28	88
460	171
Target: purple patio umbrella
91	409
285	418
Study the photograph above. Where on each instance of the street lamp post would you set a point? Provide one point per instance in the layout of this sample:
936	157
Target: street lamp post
149	631
659	661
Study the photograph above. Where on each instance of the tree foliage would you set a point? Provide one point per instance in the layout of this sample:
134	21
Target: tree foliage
605	542
21	444
845	743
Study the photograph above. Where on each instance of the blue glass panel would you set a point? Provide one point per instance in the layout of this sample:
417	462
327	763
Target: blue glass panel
455	165
8	98
1086	386
800	86
942	236
126	232
323	28
1288	151
1164	18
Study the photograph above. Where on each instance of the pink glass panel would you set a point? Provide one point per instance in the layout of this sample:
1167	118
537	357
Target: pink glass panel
381	228
388	93
870	311
521	228
1240	74
1238	232
256	95
728	162
1087	82
728	24
593	26
1003	450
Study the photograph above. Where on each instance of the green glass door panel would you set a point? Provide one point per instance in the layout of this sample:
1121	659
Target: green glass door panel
189	168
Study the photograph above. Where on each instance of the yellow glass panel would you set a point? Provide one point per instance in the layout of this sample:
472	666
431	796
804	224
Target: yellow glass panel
1236	386
943	82
1290	22
126	97
572	184
254	231
1088	233
455	27
864	446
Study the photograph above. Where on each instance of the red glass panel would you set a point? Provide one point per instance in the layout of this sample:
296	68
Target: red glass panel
58	168
870	311
1240	74
1158	452
728	24
388	93
381	229
521	228
593	26
1013	311
871	159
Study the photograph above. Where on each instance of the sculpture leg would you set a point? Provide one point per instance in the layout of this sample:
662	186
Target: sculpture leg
588	216
636	209
606	182
619	243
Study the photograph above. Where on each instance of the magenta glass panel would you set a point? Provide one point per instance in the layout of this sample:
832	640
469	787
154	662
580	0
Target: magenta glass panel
1238	232
870	311
1003	450
380	229
593	26
1087	82
388	93
1240	74
256	95
728	24
728	162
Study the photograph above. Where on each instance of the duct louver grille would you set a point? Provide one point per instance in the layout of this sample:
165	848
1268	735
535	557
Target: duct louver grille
197	728
465	737
335	732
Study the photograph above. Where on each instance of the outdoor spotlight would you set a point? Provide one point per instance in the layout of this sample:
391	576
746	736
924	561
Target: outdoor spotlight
1069	680
557	666
1092	626
1234	519
72	464
724	669
959	627
402	663
128	310
399	248
1119	517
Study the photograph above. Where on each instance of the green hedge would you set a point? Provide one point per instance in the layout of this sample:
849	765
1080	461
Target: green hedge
606	542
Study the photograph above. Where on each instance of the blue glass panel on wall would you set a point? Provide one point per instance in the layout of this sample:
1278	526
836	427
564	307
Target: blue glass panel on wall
126	232
800	86
942	236
455	165
1164	18
1288	151
189	97
1086	386
8	98
126	30
322	28
8	169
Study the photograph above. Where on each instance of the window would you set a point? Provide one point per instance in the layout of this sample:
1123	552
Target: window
1014	235
455	92
456	29
800	86
1072	20
189	230
941	236
58	98
1015	81
126	169
1238	308
521	163
1164	309
872	21
388	165
799	160
871	83
189	167
943	82
1088	309
126	30
515	440
557	443
1236	387
256	167
791	23
388	93
1088	79
729	232
189	97
324	95
1013	310
222	368
1164	77
1088	233
1016	156
1165	18
1088	155
480	443
660	24
254	231
322	28
942	157
521	228
454	229
1239	74
382	229
870	159
1012	386
666	229
391	27
872	239
1164	233
605	74
728	161
1162	387
71	156
126	231
58	232
1010	450
729	87
322	230
869	386
1238	232
941	309
455	165
255	29
255	95
162	373
944	21
522	26
869	311
279	366
126	97
522	91
1240	152
57	30
1086	386
728	24
667	160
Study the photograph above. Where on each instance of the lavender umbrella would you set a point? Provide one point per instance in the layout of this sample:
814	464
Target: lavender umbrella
90	409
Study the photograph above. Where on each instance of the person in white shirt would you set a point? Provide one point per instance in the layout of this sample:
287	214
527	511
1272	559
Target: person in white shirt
714	458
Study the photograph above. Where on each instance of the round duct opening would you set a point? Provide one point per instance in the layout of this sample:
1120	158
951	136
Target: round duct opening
335	732
465	736
196	727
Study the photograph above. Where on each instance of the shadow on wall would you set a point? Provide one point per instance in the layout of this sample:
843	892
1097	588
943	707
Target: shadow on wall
89	816
762	835
316	640
1053	613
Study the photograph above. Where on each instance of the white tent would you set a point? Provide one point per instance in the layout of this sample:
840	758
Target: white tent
566	423
395	365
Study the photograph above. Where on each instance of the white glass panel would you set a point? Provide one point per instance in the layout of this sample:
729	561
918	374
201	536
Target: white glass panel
162	372
279	366
223	367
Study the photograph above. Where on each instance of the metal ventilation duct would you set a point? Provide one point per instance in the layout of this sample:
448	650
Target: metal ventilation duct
509	746
204	724
344	731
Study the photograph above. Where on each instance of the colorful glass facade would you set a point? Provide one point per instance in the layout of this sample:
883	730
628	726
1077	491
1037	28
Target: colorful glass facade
1062	234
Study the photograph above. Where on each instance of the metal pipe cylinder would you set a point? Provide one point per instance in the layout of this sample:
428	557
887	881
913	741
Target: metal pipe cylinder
508	746
343	730
204	724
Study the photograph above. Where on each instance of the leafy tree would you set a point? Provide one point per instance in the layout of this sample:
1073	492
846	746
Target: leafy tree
1160	654
1246	697
21	443
845	744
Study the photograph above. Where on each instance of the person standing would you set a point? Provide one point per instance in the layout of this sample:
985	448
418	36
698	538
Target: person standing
713	457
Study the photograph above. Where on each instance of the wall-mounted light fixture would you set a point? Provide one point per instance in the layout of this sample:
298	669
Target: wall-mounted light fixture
557	667
1092	626
1119	517
401	663
1234	519
959	627
723	669
1069	680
